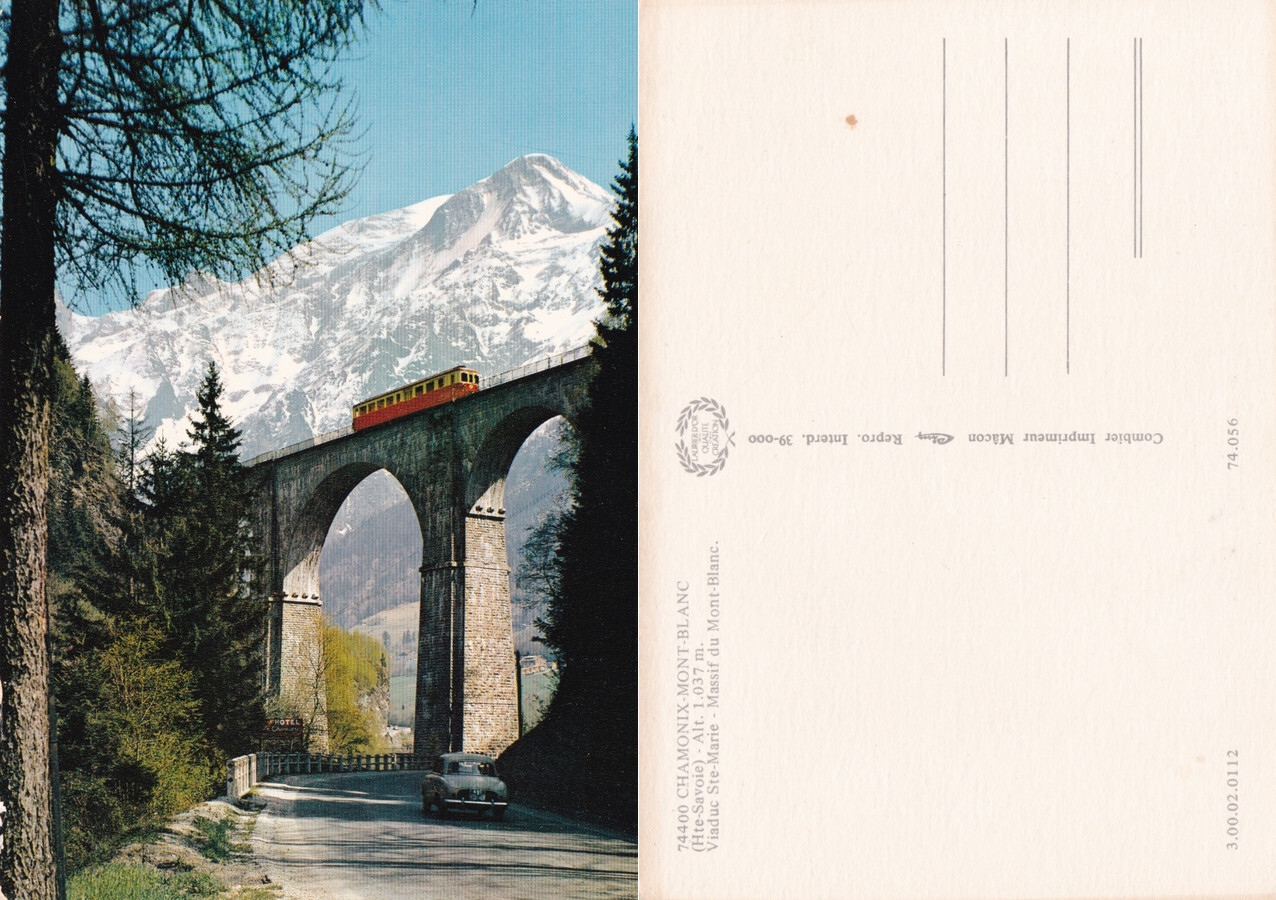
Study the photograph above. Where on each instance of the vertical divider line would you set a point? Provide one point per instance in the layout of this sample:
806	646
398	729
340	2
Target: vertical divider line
1067	205
943	165
1006	208
1140	148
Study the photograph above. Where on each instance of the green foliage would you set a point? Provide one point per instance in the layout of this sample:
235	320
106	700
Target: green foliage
119	881
354	667
157	639
350	730
215	838
197	884
589	553
147	706
93	817
359	661
80	472
619	256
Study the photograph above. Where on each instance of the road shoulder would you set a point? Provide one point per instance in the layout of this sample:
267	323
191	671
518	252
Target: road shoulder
204	851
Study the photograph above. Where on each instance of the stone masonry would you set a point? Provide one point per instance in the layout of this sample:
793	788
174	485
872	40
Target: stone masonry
452	461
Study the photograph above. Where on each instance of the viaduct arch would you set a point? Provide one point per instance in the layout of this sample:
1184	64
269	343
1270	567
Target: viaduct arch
452	461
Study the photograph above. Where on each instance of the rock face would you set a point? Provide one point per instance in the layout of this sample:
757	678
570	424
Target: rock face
377	702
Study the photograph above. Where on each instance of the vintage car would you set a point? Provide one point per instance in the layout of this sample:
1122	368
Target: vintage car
464	781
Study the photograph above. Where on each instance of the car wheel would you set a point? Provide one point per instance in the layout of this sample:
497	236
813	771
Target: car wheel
442	807
498	813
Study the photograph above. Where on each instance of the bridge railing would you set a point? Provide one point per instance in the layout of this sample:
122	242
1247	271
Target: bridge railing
300	445
243	772
540	365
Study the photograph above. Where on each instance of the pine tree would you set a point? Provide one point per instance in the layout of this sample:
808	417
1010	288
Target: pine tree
82	498
213	620
619	256
215	442
591	619
162	489
594	617
122	580
80	479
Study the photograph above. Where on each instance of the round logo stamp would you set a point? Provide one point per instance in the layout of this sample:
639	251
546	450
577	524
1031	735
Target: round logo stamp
704	437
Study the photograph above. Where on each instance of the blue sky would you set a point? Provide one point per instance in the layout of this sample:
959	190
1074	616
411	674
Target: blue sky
450	92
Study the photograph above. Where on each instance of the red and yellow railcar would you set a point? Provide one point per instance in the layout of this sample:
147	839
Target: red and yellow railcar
440	388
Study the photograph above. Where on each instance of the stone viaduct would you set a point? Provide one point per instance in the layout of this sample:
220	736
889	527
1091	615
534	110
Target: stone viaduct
452	461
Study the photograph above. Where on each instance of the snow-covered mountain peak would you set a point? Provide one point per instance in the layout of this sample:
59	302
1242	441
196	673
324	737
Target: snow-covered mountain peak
530	195
495	275
369	234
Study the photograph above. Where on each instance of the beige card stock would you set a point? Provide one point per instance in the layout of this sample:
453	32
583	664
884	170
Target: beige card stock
958	413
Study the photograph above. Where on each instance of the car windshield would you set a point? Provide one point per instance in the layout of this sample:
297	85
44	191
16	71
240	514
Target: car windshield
471	767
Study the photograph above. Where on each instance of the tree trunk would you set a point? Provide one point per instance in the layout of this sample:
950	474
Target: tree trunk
27	330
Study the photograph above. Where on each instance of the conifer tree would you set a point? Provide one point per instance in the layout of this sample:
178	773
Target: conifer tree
214	623
160	479
214	441
591	619
121	581
80	466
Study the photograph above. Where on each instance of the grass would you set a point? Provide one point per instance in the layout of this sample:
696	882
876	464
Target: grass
213	838
120	881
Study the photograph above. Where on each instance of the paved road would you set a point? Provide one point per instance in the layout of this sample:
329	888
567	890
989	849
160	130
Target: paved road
362	835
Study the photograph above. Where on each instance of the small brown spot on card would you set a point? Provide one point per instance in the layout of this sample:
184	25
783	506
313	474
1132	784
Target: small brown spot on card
852	121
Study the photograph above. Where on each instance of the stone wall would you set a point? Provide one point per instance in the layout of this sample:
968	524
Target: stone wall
490	687
302	689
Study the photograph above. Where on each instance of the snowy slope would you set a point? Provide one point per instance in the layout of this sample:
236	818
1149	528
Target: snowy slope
495	275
